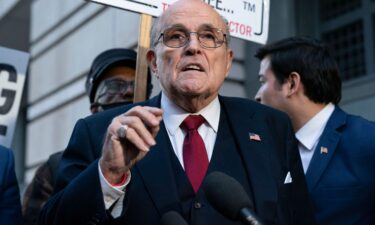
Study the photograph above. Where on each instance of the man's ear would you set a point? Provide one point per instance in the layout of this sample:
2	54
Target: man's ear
294	83
229	61
151	61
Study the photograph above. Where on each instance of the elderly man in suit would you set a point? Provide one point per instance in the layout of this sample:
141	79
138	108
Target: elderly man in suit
299	76
10	205
133	164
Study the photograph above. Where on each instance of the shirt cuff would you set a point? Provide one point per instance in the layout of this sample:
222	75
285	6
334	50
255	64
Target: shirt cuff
112	193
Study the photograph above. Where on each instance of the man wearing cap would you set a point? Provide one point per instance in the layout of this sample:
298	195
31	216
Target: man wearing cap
109	83
113	72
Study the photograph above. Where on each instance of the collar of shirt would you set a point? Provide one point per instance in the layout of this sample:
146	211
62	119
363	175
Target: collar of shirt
174	115
310	133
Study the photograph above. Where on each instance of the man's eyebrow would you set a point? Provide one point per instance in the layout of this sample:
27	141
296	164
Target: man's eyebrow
177	25
207	25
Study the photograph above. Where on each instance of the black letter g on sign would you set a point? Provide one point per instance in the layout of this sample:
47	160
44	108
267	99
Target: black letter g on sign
9	95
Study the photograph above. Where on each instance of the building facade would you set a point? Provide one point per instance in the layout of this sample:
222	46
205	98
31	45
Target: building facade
63	37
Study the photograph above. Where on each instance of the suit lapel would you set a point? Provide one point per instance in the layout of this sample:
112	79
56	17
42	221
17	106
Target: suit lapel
255	153
326	147
159	177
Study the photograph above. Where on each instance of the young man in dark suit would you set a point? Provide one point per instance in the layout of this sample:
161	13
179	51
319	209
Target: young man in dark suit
300	77
10	205
133	164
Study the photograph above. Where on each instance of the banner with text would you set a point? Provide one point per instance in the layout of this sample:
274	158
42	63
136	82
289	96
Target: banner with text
248	19
13	66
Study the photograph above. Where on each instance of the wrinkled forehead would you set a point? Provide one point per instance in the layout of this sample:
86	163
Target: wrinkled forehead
192	16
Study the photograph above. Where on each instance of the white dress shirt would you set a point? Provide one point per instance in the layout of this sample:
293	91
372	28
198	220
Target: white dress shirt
308	136
113	194
172	117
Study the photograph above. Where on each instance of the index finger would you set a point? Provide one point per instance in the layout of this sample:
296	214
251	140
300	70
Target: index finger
151	116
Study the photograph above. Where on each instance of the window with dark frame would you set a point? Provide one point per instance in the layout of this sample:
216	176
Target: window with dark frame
342	27
347	46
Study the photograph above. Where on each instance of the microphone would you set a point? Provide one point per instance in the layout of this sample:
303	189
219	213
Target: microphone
228	197
172	218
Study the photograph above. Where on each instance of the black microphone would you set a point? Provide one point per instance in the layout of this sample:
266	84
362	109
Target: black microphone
228	197
172	218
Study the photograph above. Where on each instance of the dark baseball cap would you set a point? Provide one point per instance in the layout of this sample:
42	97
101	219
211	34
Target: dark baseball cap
105	61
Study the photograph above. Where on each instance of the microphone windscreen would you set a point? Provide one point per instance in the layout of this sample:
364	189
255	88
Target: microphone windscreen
172	218
226	194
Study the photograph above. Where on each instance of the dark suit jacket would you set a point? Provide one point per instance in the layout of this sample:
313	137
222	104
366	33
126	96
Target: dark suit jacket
342	182
152	190
10	205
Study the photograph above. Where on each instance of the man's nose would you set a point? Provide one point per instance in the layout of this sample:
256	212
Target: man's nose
129	90
193	46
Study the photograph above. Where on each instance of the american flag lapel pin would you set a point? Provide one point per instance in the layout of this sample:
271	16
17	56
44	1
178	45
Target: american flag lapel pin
323	150
254	137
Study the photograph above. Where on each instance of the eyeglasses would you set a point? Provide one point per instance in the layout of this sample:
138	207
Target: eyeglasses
114	87
176	37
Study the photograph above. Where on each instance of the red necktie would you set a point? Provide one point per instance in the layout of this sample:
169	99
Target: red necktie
194	151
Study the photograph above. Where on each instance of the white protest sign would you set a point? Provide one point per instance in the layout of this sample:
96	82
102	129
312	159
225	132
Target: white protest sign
149	7
13	65
248	19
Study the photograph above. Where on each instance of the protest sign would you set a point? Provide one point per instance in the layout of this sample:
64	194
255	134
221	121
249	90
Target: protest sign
248	20
13	66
